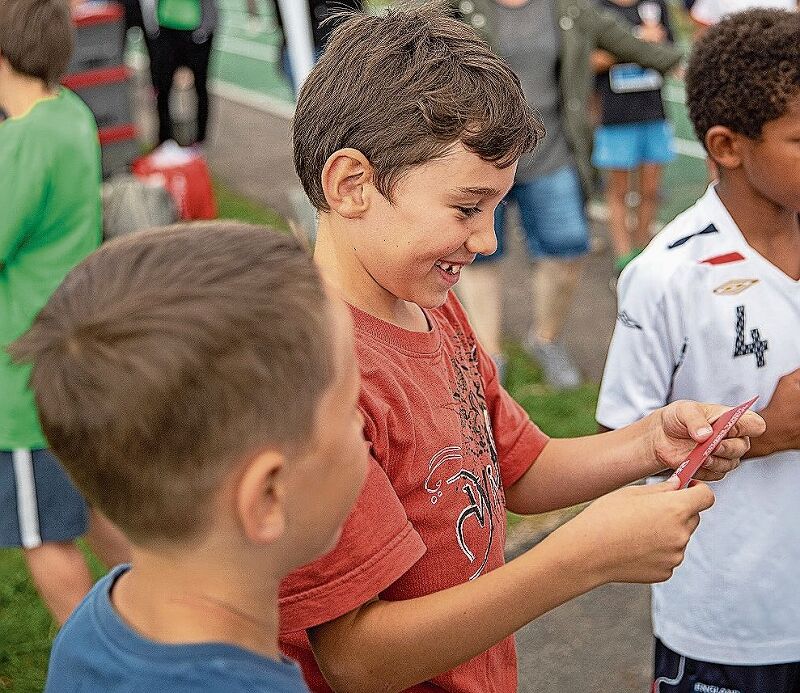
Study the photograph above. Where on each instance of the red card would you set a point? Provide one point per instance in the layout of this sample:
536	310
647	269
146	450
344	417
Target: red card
702	452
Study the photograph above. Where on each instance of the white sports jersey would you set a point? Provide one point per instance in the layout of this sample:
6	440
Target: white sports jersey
712	11
703	316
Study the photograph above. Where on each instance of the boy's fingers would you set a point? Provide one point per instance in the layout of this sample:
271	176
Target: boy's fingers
751	425
695	418
699	495
673	483
728	453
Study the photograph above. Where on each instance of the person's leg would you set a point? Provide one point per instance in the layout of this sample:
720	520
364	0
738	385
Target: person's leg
616	197
554	283
162	70
479	289
616	151
46	515
649	190
61	576
556	231
106	540
656	152
198	58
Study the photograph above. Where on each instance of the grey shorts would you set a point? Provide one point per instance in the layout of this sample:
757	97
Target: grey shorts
38	502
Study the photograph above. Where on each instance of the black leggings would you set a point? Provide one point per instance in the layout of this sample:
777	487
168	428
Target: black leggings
172	49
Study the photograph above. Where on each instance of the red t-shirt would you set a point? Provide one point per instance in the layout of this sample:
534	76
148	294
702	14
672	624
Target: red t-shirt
446	440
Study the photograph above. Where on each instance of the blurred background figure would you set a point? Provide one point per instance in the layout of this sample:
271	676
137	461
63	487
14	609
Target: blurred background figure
548	43
634	141
180	33
318	12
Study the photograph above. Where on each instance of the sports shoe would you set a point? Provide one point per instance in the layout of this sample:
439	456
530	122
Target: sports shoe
560	371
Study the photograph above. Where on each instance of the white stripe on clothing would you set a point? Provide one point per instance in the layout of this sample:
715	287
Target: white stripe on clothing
27	509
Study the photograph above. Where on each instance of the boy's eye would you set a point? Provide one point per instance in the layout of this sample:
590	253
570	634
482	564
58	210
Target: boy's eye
469	211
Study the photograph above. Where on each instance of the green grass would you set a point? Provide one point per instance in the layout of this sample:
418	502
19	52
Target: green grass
26	629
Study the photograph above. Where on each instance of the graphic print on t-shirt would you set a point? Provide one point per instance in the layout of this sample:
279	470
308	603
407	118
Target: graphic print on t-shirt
480	486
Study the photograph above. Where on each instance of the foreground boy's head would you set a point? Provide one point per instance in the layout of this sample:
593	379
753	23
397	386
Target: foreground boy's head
406	137
198	384
35	39
743	95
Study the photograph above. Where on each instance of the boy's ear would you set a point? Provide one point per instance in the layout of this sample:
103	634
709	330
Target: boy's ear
724	146
260	498
345	178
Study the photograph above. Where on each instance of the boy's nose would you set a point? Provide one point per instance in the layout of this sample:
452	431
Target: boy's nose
483	241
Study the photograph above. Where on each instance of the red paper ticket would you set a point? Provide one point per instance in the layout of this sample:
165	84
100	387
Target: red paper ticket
702	452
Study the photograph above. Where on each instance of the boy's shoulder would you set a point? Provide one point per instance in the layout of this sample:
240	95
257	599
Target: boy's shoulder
696	240
59	120
96	649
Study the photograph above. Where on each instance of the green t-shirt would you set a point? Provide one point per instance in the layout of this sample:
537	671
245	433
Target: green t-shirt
50	219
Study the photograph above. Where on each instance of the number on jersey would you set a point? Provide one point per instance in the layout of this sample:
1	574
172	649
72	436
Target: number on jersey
757	346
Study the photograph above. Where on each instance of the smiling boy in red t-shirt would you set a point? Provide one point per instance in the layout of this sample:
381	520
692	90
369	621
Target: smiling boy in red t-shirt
406	138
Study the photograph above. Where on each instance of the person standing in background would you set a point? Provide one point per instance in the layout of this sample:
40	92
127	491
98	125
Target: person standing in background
634	141
548	44
50	220
180	33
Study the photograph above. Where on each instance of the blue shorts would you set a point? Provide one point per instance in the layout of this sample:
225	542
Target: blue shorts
675	673
626	147
38	502
552	216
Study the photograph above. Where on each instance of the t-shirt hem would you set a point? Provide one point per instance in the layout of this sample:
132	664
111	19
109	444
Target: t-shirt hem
736	654
325	602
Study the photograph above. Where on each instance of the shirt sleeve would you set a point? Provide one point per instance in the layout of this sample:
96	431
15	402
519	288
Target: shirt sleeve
378	544
23	190
646	349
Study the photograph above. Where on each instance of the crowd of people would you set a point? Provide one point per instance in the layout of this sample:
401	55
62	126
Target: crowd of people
298	470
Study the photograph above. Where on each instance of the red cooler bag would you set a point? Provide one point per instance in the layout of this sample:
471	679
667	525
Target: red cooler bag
184	173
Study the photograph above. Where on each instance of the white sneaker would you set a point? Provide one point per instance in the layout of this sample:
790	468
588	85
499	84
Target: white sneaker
560	371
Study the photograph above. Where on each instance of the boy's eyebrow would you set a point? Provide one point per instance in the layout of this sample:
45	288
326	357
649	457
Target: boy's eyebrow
481	192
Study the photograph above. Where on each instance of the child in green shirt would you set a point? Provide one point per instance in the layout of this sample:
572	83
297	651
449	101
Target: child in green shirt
50	219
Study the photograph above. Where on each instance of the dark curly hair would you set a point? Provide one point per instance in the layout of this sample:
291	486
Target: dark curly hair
744	72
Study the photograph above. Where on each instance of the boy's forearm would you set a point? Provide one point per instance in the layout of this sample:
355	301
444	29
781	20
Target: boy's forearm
593	465
390	646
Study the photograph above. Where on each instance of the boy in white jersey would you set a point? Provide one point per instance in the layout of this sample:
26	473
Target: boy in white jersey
711	310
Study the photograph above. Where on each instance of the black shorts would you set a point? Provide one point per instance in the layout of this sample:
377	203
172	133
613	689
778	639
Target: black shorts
675	673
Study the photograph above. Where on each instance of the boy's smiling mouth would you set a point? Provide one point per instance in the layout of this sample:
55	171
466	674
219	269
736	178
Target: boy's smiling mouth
449	267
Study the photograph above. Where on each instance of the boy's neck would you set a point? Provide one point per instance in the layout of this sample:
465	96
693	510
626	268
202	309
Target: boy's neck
771	230
194	599
19	93
354	284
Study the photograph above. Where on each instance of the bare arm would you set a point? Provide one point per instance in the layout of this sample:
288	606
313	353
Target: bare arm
782	415
594	465
637	534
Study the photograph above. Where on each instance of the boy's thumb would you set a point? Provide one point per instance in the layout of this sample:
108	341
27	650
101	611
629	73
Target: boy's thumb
671	484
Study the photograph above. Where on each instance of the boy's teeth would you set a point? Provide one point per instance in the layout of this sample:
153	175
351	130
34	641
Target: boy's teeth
450	269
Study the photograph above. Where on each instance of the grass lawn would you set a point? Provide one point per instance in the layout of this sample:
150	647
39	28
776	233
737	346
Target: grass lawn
26	629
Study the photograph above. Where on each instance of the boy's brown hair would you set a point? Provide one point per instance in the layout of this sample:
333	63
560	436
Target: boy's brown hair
402	88
36	37
167	357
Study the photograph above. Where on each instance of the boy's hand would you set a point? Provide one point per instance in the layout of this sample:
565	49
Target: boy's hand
639	533
680	426
782	415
